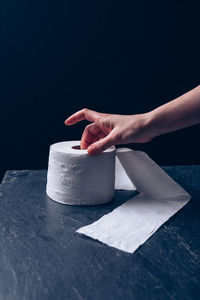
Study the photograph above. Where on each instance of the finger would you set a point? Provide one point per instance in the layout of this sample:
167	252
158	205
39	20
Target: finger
86	139
101	135
94	139
83	114
101	145
85	145
91	131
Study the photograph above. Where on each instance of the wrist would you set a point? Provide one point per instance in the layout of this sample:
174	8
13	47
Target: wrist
151	123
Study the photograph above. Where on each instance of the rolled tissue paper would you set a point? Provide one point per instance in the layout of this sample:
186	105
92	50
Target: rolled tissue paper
76	178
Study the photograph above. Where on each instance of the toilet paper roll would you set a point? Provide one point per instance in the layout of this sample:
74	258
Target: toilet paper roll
76	178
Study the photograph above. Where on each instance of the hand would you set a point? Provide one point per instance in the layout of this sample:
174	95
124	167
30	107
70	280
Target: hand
109	129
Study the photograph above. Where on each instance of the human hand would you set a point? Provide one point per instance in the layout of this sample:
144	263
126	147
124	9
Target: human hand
110	129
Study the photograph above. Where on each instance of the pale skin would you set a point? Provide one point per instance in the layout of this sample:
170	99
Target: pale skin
106	130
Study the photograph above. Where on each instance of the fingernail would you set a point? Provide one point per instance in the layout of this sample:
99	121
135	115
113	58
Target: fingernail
66	123
91	150
83	147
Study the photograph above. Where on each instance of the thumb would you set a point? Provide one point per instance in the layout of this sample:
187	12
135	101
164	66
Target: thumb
101	145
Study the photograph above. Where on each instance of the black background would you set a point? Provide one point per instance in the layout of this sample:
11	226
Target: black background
124	57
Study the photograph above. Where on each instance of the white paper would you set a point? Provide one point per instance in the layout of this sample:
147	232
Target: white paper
76	178
131	224
122	181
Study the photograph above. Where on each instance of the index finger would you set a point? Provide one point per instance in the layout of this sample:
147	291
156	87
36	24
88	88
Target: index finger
83	114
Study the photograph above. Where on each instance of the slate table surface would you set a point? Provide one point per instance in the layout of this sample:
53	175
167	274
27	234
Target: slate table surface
42	257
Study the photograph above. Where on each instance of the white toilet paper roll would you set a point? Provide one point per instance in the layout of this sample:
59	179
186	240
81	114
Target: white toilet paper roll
76	178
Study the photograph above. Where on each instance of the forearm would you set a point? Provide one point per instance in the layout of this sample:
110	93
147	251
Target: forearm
182	112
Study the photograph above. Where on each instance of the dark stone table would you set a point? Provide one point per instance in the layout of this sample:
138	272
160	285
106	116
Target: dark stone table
42	257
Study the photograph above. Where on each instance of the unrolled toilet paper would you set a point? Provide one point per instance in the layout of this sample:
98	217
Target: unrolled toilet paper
131	224
76	178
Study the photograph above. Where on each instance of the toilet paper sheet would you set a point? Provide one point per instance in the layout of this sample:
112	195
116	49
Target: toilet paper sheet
131	224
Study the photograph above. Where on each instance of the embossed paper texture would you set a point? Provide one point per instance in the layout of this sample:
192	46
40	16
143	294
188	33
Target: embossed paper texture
131	224
74	177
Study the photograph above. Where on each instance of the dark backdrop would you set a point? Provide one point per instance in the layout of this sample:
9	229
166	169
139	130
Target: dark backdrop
121	57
